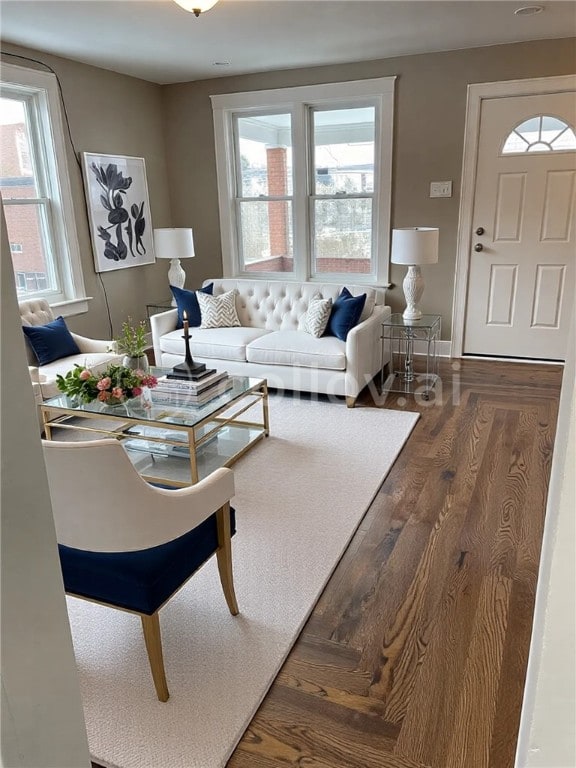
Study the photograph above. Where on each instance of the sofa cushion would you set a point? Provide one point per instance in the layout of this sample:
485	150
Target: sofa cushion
345	314
186	301
218	343
219	311
51	341
297	348
317	316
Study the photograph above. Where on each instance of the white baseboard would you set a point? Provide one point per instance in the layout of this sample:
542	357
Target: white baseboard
533	361
444	349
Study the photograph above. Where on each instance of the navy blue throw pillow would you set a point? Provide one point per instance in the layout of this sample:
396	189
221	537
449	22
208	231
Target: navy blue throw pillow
345	314
51	341
186	301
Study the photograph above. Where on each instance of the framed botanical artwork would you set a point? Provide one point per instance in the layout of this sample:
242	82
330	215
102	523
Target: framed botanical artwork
118	210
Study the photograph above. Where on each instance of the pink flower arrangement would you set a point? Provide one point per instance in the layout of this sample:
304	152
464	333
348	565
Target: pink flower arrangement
114	385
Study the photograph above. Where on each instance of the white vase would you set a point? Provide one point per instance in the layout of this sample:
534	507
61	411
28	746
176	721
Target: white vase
136	363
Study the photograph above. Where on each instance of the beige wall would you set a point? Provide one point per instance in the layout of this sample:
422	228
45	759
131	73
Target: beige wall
118	115
428	144
171	127
42	717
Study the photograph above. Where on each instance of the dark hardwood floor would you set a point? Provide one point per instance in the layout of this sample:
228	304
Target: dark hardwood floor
415	656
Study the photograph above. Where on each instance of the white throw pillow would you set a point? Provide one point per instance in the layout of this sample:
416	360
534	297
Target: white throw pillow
218	311
317	316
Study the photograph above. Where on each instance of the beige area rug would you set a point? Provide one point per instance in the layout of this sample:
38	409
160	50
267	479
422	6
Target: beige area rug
300	495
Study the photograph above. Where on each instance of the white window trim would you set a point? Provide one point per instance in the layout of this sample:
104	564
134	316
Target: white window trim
66	236
378	90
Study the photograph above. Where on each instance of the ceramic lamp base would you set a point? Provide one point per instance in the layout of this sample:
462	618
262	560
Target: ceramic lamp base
176	276
413	286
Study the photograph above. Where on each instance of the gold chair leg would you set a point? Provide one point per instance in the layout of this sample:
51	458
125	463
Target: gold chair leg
350	401
224	557
153	640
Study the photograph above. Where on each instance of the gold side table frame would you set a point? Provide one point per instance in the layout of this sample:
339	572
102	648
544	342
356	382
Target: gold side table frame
160	429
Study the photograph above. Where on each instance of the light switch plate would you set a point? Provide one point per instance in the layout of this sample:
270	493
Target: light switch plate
440	189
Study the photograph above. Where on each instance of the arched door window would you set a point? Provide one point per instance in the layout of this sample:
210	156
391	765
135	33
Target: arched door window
542	133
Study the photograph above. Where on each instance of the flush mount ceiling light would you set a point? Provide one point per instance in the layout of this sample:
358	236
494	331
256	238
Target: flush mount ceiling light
526	10
196	6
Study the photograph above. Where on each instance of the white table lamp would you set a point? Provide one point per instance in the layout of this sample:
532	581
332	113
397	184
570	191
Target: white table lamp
174	244
414	246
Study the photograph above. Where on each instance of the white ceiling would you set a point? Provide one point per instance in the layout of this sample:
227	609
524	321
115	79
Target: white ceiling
159	41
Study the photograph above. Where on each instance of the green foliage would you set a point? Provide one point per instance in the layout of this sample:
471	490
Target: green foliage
132	341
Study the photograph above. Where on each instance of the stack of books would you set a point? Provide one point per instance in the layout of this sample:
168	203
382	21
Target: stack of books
171	391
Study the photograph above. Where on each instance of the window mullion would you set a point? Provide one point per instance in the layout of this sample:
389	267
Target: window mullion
54	267
382	200
264	198
301	218
25	201
347	196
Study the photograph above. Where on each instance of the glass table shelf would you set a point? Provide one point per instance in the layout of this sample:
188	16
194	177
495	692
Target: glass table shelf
175	445
168	463
413	354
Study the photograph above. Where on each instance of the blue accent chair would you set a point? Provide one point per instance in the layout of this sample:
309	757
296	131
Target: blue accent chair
130	545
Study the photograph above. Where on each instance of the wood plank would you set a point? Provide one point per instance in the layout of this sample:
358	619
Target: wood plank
324	663
429	720
476	707
284	730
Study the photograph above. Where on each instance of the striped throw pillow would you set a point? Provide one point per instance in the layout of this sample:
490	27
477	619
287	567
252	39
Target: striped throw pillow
218	311
317	316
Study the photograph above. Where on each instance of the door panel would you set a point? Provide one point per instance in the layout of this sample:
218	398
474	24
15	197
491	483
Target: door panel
509	207
548	296
502	294
522	268
558	205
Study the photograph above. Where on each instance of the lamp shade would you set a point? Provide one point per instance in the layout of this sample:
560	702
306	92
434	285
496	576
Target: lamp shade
415	245
173	243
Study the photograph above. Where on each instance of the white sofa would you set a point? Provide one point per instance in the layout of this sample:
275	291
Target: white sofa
271	342
95	354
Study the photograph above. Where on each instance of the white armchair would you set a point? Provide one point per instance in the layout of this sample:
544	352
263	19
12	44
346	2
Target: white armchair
130	545
94	353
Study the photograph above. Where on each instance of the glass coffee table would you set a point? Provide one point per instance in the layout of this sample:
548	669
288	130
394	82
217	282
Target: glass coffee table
173	445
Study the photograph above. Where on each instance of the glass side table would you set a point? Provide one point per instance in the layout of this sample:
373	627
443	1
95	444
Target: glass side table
403	338
158	306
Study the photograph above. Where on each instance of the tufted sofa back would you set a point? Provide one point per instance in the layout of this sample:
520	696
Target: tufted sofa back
279	306
34	312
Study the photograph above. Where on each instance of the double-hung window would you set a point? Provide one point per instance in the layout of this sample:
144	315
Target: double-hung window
35	188
304	177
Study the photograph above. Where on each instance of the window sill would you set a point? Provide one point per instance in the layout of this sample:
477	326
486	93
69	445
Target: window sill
73	307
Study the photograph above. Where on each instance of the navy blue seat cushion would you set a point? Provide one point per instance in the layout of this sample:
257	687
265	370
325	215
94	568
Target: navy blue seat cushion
140	581
51	341
345	314
186	301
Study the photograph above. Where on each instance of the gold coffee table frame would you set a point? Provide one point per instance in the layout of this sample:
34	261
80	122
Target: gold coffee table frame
154	429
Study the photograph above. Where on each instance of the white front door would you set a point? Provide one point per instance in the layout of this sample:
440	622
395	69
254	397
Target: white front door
522	270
